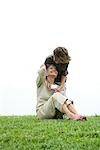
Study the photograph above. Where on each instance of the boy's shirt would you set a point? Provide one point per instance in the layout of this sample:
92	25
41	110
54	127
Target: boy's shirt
61	68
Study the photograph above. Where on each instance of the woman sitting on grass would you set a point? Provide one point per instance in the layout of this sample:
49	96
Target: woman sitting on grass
48	100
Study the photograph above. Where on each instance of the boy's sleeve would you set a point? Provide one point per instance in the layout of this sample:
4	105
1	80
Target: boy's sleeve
65	70
41	77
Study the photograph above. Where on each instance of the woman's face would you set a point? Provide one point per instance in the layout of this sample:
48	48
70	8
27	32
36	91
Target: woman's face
52	71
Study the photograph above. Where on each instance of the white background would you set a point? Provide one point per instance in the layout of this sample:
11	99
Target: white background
29	31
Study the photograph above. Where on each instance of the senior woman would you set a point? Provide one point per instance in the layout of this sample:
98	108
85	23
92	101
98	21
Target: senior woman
48	100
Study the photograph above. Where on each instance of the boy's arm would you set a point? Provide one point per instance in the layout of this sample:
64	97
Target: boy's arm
63	80
64	76
59	88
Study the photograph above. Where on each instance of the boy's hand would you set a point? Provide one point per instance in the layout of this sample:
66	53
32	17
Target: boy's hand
59	88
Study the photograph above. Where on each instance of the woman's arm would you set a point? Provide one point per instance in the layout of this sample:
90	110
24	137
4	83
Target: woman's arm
41	76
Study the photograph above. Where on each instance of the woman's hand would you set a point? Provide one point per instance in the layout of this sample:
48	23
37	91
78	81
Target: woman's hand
43	67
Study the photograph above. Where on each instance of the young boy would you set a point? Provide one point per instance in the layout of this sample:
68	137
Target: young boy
60	59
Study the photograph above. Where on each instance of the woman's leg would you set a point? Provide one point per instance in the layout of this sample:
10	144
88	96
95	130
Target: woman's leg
71	107
61	102
69	113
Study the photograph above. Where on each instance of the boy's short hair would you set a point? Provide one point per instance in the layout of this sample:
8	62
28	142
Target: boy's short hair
60	55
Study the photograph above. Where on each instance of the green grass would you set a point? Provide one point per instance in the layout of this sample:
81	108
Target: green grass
29	133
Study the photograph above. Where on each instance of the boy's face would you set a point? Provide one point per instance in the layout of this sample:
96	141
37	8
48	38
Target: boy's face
57	60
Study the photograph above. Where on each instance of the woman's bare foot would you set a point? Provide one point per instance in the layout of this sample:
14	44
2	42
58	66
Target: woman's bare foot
83	117
79	117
